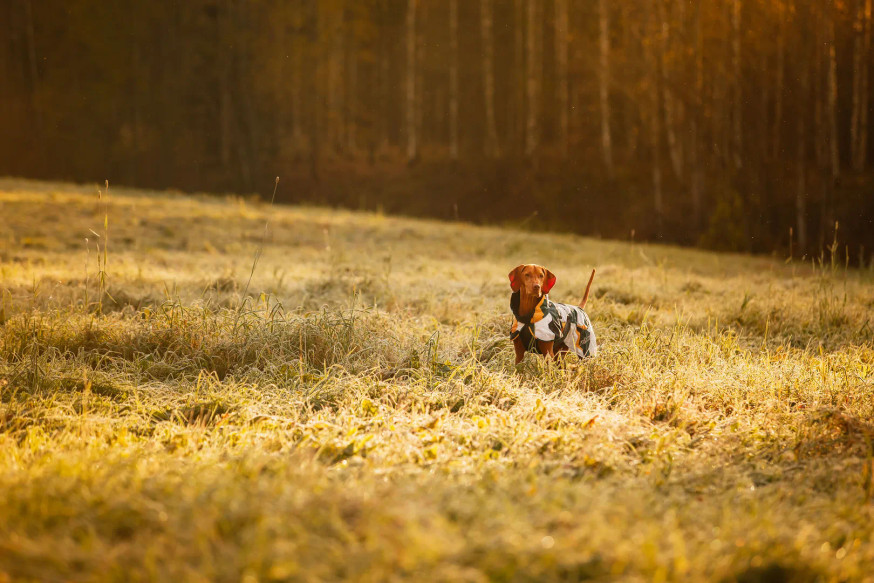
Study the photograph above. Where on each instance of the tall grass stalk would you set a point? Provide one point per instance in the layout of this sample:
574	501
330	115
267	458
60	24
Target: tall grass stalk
102	254
87	261
258	252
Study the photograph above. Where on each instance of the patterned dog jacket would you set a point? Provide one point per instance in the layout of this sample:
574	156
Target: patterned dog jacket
564	324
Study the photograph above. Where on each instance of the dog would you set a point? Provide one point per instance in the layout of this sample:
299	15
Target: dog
543	326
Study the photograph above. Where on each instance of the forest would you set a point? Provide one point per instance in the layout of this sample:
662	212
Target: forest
728	124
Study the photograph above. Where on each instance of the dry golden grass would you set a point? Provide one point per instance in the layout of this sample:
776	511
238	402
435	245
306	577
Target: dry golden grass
357	415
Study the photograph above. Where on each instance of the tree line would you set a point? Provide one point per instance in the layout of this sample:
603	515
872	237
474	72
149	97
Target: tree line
723	123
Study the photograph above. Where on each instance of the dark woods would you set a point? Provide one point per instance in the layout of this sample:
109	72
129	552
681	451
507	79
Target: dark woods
722	123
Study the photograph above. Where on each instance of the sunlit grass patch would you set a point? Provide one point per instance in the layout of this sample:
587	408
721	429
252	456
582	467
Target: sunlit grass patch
354	413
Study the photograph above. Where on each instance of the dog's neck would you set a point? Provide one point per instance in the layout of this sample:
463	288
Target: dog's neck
527	302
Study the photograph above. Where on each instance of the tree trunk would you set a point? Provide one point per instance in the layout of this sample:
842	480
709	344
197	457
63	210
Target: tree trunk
604	85
318	116
654	116
632	31
419	108
533	65
297	76
820	137
412	151
764	107
561	73
351	101
248	130
863	121
225	99
385	80
801	166
696	171
136	105
834	153
658	205
778	83
859	67
674	147
336	83
453	79
737	118
861	55
491	143
33	76
520	76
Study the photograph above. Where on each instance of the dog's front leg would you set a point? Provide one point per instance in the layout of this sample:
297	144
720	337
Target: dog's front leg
520	349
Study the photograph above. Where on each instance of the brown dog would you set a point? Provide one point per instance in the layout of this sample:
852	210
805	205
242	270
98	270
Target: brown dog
543	326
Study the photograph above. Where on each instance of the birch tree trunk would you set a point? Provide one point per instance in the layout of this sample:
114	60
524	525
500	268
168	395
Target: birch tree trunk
453	79
411	82
532	69
561	73
491	143
604	84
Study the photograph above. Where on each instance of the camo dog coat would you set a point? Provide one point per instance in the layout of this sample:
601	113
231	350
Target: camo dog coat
565	325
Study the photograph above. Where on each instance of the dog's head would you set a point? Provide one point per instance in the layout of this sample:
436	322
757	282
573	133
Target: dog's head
532	280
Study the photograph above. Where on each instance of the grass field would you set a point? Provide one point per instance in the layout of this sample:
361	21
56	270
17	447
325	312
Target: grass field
353	413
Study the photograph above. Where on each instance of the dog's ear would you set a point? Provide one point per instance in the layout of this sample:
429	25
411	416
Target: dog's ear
516	278
548	281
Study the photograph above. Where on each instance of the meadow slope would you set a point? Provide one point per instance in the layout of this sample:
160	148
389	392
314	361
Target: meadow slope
353	411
